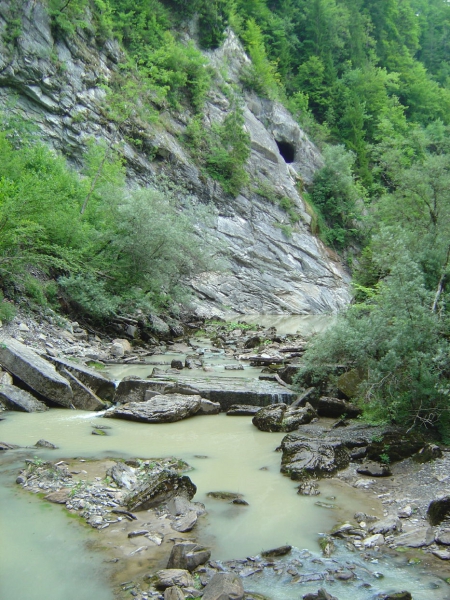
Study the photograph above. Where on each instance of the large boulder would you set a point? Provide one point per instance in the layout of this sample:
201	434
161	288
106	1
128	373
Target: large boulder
166	578
242	410
188	555
335	408
438	510
159	488
159	409
100	384
224	586
83	397
303	457
13	398
280	417
35	372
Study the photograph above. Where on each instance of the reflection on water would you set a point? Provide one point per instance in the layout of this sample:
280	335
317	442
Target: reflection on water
43	554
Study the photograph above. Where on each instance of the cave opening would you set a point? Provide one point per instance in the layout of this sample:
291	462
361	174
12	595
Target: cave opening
287	151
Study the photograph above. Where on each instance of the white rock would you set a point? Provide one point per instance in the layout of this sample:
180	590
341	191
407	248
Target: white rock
406	512
117	350
23	327
374	540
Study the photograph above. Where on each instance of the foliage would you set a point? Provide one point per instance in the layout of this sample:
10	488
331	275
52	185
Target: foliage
127	248
336	195
223	150
7	310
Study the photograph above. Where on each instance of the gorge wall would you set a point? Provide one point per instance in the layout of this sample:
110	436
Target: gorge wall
57	84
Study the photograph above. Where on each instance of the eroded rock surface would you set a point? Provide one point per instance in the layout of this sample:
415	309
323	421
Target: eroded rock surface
159	409
13	398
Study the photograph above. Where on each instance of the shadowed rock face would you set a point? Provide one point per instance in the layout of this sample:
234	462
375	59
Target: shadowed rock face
267	272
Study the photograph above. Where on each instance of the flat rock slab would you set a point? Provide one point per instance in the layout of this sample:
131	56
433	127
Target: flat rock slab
100	384
159	409
13	398
35	372
160	488
83	397
226	391
242	410
417	538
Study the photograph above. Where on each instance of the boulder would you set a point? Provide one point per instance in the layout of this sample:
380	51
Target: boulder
127	349
59	497
185	522
188	555
224	586
443	536
208	408
438	510
122	475
35	372
335	407
166	578
417	538
320	595
242	410
374	540
280	551
177	364
387	526
427	453
100	384
173	593
349	382
83	397
280	417
374	469
45	444
304	457
159	488
132	389
13	398
159	409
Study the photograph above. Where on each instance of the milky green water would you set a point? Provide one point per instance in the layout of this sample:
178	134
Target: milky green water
47	556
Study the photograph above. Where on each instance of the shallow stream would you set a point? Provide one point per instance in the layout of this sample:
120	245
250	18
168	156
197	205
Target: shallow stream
44	555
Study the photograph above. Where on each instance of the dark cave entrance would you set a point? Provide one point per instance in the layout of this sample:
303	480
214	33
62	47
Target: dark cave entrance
287	151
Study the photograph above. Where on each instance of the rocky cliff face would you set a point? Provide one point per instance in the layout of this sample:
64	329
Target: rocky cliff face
57	85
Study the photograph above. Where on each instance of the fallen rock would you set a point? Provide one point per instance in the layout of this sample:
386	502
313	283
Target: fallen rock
159	409
100	384
13	398
280	551
123	475
185	522
427	453
334	408
166	578
208	408
374	469
188	555
177	364
59	497
224	586
387	526
374	540
280	417
35	372
320	595
304	457
83	397
308	488
418	538
173	593
443	536
224	495
242	410
159	488
45	444
438	510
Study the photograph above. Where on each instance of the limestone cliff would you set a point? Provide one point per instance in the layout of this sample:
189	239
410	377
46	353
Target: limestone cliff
57	85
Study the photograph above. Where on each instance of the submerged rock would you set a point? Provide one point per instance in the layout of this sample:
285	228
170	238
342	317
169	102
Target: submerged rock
35	372
13	398
224	495
45	444
159	409
303	457
280	417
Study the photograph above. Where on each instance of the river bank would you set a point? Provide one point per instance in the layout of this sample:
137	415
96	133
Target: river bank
233	532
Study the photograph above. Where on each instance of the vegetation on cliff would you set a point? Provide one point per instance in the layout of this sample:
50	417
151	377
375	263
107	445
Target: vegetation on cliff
370	83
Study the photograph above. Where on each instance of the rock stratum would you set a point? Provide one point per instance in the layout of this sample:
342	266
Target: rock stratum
57	84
